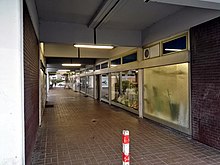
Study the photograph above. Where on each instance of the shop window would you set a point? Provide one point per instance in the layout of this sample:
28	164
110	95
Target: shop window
125	88
77	83
166	94
104	65
90	85
116	62
129	58
104	85
175	45
115	86
83	82
97	67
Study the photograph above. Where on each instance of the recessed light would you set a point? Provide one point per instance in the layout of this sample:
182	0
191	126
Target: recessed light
71	64
94	46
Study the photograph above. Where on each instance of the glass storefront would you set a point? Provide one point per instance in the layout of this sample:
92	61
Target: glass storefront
124	88
166	93
90	89
104	87
77	83
83	84
115	86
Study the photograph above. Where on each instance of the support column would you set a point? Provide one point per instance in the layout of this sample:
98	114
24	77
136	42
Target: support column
140	92
140	57
11	83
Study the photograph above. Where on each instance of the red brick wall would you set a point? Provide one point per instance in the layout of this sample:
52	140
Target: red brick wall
31	85
205	70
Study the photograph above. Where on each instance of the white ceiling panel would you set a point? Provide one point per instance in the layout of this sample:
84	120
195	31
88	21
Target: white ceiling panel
76	11
137	15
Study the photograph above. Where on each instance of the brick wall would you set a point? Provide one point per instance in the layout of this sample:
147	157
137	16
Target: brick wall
205	70
31	85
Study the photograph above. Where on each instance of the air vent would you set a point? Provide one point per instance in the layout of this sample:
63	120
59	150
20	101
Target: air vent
152	51
146	53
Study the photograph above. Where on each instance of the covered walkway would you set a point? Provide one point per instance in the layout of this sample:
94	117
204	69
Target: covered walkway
80	130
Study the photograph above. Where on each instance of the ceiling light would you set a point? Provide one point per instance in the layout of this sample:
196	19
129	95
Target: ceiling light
94	46
71	64
63	70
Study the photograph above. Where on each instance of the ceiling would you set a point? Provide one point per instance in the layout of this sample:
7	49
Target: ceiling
55	63
115	14
127	14
117	22
137	15
76	11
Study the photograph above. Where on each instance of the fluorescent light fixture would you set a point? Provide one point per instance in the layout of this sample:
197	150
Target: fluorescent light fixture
174	50
113	65
94	46
63	70
71	64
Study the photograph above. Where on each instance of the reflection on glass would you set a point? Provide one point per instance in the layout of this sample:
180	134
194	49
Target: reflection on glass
115	86
104	65
90	85
129	58
125	88
104	85
77	83
166	93
97	67
176	45
83	84
116	62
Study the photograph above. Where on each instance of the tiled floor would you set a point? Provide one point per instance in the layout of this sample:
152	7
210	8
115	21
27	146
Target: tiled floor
79	130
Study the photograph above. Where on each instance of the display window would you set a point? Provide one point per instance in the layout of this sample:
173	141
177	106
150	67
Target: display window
83	84
166	93
77	83
104	87
124	86
90	85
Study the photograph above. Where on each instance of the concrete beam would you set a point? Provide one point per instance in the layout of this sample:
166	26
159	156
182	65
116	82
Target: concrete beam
206	4
70	33
64	50
102	12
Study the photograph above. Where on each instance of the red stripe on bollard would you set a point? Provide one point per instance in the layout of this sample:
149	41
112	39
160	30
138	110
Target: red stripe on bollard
125	139
125	145
126	158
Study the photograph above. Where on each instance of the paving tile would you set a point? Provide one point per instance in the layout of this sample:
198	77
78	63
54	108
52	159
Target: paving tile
83	131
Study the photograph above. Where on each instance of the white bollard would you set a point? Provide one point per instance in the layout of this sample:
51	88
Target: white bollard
125	144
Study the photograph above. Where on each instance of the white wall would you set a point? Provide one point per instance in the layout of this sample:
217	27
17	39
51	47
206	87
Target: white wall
11	83
179	22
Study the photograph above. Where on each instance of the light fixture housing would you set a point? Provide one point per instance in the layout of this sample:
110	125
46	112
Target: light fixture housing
94	46
71	64
63	70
